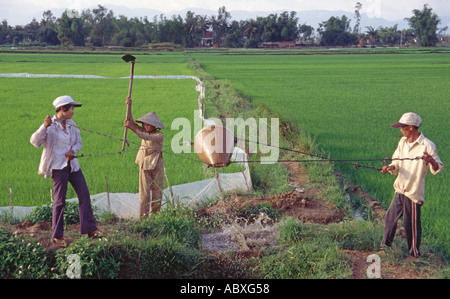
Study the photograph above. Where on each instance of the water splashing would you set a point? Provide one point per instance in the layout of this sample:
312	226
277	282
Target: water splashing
242	237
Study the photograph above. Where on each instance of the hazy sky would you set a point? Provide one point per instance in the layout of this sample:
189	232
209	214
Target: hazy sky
388	9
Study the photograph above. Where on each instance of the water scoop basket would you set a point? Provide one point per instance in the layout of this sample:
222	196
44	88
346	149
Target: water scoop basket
214	145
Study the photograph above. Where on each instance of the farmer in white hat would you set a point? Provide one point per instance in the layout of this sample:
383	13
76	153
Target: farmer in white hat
62	141
150	160
410	183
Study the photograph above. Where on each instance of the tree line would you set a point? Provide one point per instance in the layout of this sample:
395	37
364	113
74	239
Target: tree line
99	27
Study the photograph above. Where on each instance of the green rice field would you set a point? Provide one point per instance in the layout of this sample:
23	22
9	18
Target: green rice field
347	102
25	102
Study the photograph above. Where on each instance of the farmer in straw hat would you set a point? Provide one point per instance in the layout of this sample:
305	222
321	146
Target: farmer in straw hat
150	160
410	183
62	141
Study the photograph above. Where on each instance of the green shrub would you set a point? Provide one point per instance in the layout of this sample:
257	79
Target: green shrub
93	260
40	214
44	213
22	258
129	257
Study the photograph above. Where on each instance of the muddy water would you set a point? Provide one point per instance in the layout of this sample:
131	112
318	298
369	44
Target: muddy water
357	213
242	237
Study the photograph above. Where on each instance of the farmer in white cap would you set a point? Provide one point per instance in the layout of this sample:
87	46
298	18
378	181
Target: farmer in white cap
150	160
62	141
410	182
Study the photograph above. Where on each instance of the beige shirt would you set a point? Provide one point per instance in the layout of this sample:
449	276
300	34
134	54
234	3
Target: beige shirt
411	173
151	149
58	142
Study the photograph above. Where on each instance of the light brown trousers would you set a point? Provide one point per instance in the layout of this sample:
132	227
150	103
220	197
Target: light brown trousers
151	185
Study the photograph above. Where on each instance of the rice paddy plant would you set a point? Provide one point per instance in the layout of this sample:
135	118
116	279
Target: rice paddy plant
347	103
26	101
103	111
111	66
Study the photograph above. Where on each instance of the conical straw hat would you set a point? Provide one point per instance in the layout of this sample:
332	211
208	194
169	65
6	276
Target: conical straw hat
151	119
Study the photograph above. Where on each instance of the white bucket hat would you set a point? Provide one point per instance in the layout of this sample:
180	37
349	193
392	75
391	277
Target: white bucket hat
151	119
64	100
408	119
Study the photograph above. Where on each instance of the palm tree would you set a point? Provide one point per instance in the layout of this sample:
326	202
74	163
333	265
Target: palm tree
204	23
250	28
373	34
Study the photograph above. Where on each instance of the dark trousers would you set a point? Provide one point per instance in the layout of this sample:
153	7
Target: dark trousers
403	206
60	179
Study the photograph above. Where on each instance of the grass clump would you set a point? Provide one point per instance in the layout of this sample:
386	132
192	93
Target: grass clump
255	212
309	250
304	253
178	224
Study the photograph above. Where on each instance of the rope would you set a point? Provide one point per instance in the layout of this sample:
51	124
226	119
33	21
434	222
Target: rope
320	157
130	150
356	165
324	159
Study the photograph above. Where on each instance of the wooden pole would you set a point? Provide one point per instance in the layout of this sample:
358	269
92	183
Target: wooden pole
218	180
169	187
128	58
11	202
107	194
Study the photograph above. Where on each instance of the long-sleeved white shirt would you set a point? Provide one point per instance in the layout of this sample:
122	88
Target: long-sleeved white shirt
58	142
411	173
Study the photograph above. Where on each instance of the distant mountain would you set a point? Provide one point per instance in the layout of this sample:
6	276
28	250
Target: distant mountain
312	18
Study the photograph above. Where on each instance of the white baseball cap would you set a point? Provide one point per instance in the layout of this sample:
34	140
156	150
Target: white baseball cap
408	119
64	100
